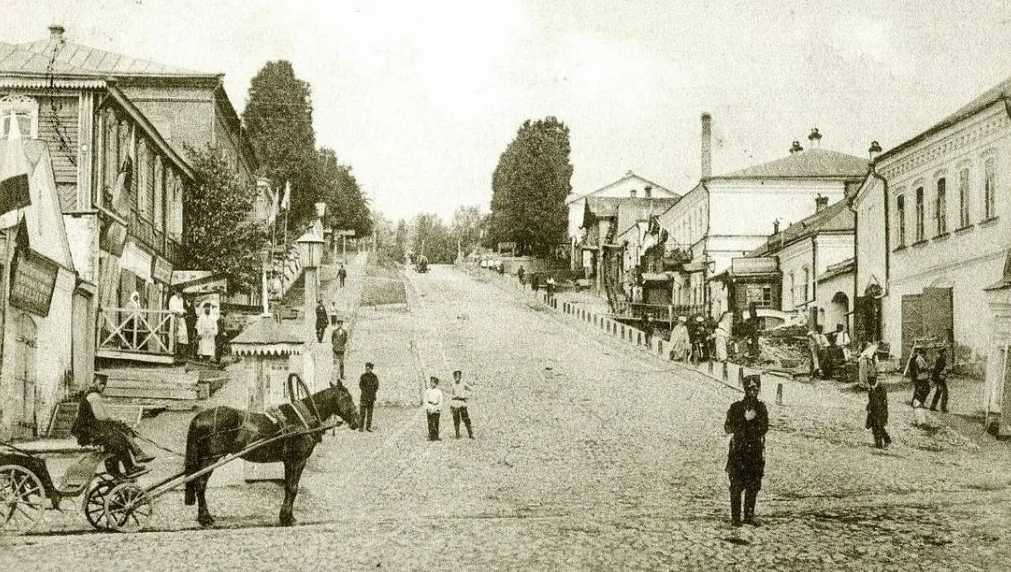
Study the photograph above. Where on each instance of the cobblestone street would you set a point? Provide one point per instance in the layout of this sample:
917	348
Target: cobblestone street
590	454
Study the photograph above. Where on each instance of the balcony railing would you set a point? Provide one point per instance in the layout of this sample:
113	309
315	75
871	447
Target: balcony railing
137	331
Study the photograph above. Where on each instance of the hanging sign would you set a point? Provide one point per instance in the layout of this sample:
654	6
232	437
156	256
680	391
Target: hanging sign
33	279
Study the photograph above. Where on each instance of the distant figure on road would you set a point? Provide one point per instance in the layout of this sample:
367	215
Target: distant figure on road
459	396
321	320
877	399
369	384
816	344
680	341
341	275
338	342
721	337
747	422
939	377
520	274
550	287
433	407
207	329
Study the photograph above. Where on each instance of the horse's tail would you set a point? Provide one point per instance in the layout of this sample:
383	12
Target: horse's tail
192	461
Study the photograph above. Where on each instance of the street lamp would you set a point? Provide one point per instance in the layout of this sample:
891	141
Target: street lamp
310	253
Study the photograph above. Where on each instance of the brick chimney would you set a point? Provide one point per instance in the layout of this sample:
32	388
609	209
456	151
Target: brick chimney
707	145
648	192
820	203
775	226
796	148
56	32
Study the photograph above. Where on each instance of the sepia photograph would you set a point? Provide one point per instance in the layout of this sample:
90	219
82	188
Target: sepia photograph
518	285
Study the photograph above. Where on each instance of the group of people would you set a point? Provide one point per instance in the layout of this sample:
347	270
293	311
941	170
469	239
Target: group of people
926	377
459	396
196	334
699	340
828	353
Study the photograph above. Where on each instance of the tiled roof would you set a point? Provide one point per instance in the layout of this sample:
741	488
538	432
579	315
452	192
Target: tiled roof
75	58
837	217
815	162
14	58
838	269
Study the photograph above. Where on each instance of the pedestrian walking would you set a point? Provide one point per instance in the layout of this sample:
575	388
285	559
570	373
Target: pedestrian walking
321	320
207	329
877	403
191	326
520	273
339	342
721	337
550	286
433	407
747	423
342	275
459	397
939	377
368	383
919	374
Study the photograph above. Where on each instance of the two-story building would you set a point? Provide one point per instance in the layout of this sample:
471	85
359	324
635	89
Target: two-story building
120	190
933	229
727	216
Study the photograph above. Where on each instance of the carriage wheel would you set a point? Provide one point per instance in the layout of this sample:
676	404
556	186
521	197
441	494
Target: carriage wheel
22	499
127	508
94	500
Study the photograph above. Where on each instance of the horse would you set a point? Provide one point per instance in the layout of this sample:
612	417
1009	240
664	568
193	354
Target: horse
221	431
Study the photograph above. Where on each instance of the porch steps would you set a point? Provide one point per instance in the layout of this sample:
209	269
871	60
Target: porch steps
187	384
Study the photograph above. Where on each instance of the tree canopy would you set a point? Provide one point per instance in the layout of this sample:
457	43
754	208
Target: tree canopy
278	118
220	234
432	238
468	224
529	188
347	207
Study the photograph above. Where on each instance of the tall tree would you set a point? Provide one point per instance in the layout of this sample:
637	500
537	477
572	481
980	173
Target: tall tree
220	233
468	222
432	238
347	207
529	186
278	118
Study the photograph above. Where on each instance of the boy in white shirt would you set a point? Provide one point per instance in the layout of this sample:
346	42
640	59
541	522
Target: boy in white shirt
433	407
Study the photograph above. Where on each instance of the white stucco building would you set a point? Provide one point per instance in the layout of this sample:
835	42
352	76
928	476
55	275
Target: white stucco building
934	227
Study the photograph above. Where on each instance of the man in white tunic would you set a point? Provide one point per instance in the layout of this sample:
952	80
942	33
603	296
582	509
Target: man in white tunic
207	330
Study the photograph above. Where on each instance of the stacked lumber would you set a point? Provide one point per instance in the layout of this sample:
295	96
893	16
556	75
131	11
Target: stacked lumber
156	383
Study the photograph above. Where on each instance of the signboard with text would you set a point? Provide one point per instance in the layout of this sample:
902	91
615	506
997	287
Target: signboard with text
33	279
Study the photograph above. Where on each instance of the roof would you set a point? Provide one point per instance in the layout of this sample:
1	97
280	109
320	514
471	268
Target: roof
268	337
999	92
839	269
812	163
833	218
75	58
628	175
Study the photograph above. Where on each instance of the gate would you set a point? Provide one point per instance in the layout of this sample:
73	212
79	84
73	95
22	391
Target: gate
928	315
23	366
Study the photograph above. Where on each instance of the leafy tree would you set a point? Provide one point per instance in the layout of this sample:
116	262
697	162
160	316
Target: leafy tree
220	234
529	186
432	238
347	206
278	118
468	222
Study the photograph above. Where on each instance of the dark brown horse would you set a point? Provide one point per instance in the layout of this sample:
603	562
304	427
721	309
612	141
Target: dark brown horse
221	431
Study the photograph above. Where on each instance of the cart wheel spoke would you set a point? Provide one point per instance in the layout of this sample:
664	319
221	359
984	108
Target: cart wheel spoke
94	500
127	508
24	498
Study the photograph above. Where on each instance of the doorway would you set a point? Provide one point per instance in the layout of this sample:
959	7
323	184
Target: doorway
23	368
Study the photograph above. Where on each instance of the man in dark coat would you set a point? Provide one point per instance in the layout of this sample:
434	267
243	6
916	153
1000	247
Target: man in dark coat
369	384
94	426
322	318
877	412
747	422
342	275
939	377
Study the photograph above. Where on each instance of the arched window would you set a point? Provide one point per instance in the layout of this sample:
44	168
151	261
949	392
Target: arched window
25	110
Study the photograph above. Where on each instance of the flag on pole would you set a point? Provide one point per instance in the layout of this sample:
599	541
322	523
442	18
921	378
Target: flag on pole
14	169
286	199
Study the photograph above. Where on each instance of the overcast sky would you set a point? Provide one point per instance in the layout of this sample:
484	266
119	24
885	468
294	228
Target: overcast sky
421	96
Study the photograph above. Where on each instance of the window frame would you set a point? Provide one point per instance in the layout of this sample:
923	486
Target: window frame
989	187
964	196
941	206
919	198
900	215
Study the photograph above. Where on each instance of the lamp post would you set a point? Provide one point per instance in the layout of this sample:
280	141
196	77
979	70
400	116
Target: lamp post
310	253
265	255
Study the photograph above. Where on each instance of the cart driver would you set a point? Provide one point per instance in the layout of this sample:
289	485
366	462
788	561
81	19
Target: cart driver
94	426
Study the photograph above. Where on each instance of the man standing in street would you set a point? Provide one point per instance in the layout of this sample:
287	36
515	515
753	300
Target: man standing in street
178	309
341	275
369	384
939	377
433	407
747	422
877	409
321	320
339	341
459	396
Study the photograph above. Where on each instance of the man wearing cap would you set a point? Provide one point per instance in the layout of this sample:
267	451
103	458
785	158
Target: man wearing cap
459	396
433	407
747	422
93	426
339	341
369	385
321	320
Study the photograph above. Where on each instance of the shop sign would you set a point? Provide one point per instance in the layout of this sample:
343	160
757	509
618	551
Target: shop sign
161	270
33	279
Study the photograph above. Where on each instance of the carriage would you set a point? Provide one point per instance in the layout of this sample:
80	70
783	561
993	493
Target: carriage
112	502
